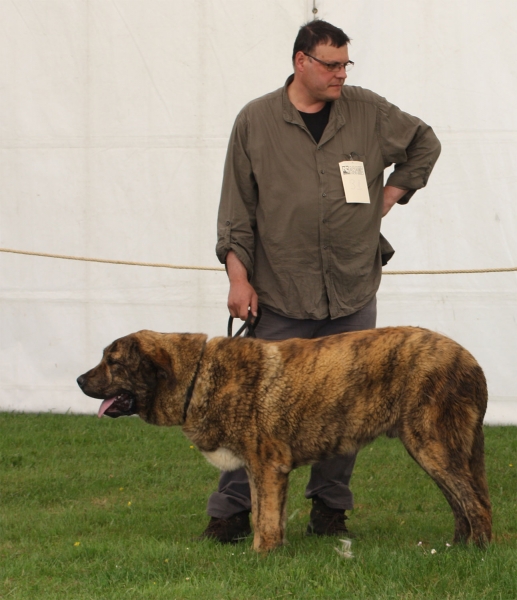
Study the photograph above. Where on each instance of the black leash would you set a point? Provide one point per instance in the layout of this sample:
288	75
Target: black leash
248	327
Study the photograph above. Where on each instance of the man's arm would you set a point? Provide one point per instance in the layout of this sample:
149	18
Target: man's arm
236	222
242	297
391	196
411	145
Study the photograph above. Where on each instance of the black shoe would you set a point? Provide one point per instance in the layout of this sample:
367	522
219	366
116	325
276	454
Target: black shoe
325	520
228	531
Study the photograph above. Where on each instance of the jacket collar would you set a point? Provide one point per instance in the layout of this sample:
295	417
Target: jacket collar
292	115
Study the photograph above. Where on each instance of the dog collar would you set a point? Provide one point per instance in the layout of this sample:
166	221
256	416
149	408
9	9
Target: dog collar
190	390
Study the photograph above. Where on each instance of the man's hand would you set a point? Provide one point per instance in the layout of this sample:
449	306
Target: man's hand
391	196
242	297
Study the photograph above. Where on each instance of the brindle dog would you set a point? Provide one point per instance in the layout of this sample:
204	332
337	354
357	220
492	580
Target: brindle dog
273	406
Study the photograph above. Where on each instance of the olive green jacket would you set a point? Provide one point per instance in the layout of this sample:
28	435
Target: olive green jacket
283	209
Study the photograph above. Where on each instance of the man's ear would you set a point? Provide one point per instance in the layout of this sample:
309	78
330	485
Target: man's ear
299	61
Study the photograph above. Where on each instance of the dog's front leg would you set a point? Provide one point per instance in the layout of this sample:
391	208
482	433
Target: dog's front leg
268	484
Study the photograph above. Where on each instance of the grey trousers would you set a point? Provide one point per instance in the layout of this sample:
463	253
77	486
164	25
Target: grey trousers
329	479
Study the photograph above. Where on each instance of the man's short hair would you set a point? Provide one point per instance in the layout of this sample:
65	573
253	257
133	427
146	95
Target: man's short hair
318	32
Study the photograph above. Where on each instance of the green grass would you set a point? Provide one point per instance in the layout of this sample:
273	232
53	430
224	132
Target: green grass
108	509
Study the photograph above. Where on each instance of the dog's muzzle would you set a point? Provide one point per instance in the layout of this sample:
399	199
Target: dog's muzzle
122	405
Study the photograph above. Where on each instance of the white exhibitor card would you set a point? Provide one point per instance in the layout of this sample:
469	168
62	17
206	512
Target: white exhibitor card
354	182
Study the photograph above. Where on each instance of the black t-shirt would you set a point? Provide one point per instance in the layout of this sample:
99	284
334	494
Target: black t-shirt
316	122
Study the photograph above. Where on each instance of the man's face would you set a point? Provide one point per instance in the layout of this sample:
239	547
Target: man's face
321	84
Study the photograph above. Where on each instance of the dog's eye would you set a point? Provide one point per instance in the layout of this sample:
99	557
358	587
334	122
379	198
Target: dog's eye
111	361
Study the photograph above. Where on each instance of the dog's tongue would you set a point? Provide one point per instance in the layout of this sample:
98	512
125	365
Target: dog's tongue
105	405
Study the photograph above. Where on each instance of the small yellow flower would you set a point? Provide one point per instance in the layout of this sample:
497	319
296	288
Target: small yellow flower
120	489
166	560
510	465
77	544
191	447
187	578
129	503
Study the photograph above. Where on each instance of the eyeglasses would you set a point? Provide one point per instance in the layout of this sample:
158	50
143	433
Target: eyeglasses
333	67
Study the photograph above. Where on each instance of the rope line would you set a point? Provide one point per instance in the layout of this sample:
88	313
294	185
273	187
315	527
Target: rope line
110	261
198	268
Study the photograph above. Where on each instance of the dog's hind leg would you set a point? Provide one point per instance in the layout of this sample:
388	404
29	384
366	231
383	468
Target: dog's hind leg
477	467
483	534
460	490
451	472
462	529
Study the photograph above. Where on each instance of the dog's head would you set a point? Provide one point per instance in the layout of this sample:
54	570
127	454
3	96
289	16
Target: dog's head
145	373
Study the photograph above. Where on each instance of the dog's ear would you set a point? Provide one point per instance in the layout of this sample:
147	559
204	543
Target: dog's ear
153	353
162	361
171	354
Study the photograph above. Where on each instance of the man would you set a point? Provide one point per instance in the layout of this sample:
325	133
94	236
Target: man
299	236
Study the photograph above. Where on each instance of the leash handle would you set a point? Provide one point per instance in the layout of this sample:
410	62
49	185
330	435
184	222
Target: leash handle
248	327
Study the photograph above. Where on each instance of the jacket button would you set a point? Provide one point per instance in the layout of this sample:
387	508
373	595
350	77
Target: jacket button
228	222
324	195
322	171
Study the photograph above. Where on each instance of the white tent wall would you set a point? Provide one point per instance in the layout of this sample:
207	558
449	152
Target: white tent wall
114	121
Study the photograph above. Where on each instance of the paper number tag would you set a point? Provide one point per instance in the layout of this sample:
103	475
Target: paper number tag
354	182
